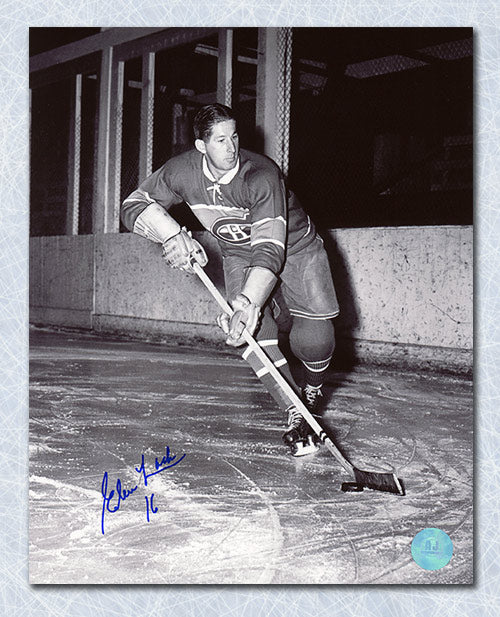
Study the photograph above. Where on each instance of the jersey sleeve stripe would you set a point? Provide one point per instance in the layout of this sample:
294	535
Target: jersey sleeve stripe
269	219
139	195
268	240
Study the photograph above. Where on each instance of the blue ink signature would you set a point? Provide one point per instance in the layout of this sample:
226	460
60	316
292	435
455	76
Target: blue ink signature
166	462
112	501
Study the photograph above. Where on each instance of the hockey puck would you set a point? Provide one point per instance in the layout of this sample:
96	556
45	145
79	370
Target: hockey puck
352	487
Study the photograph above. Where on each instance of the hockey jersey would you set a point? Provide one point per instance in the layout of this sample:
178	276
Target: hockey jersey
248	210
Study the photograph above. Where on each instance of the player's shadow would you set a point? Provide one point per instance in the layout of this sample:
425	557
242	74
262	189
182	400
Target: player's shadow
347	322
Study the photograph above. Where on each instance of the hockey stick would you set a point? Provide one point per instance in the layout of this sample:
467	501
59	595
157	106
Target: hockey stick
378	481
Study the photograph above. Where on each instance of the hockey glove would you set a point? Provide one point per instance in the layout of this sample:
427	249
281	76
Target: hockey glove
246	315
181	248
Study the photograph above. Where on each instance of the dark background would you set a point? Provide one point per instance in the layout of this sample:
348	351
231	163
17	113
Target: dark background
380	127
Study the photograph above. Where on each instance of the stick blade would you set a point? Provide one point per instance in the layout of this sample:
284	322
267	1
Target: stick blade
379	481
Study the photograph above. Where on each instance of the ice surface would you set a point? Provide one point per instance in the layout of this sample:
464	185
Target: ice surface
238	508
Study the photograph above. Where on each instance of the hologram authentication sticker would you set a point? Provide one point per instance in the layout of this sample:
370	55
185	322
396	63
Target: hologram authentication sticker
432	548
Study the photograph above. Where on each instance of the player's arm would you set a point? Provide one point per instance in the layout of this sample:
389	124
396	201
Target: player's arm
268	241
247	305
145	213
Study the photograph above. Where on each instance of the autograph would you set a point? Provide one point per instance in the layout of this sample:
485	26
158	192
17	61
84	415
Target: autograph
112	501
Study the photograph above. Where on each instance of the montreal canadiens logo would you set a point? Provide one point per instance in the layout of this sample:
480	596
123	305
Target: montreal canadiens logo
232	230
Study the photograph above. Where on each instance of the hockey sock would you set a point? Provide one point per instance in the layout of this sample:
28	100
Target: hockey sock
314	372
267	338
313	342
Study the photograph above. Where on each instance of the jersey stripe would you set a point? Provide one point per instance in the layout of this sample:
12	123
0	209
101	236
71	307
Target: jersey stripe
270	240
268	219
220	208
139	195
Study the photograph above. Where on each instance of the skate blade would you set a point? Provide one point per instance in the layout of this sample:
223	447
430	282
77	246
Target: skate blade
303	450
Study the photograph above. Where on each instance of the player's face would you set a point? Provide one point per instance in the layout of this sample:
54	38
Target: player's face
222	149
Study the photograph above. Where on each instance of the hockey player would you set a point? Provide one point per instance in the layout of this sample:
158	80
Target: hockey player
265	238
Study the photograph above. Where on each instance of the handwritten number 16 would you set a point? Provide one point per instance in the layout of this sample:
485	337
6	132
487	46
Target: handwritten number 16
150	505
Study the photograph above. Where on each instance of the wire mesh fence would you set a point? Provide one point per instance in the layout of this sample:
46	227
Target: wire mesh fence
284	90
244	85
129	128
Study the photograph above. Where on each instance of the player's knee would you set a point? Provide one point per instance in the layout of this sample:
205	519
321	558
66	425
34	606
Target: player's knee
312	339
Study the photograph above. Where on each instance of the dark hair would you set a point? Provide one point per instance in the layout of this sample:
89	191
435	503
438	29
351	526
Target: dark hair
207	117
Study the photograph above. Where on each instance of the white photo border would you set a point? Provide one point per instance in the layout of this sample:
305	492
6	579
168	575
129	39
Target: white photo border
15	592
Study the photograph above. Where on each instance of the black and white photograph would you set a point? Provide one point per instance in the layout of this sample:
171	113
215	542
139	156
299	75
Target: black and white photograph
251	306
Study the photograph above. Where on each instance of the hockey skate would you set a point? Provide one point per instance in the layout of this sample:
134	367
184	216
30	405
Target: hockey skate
299	436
